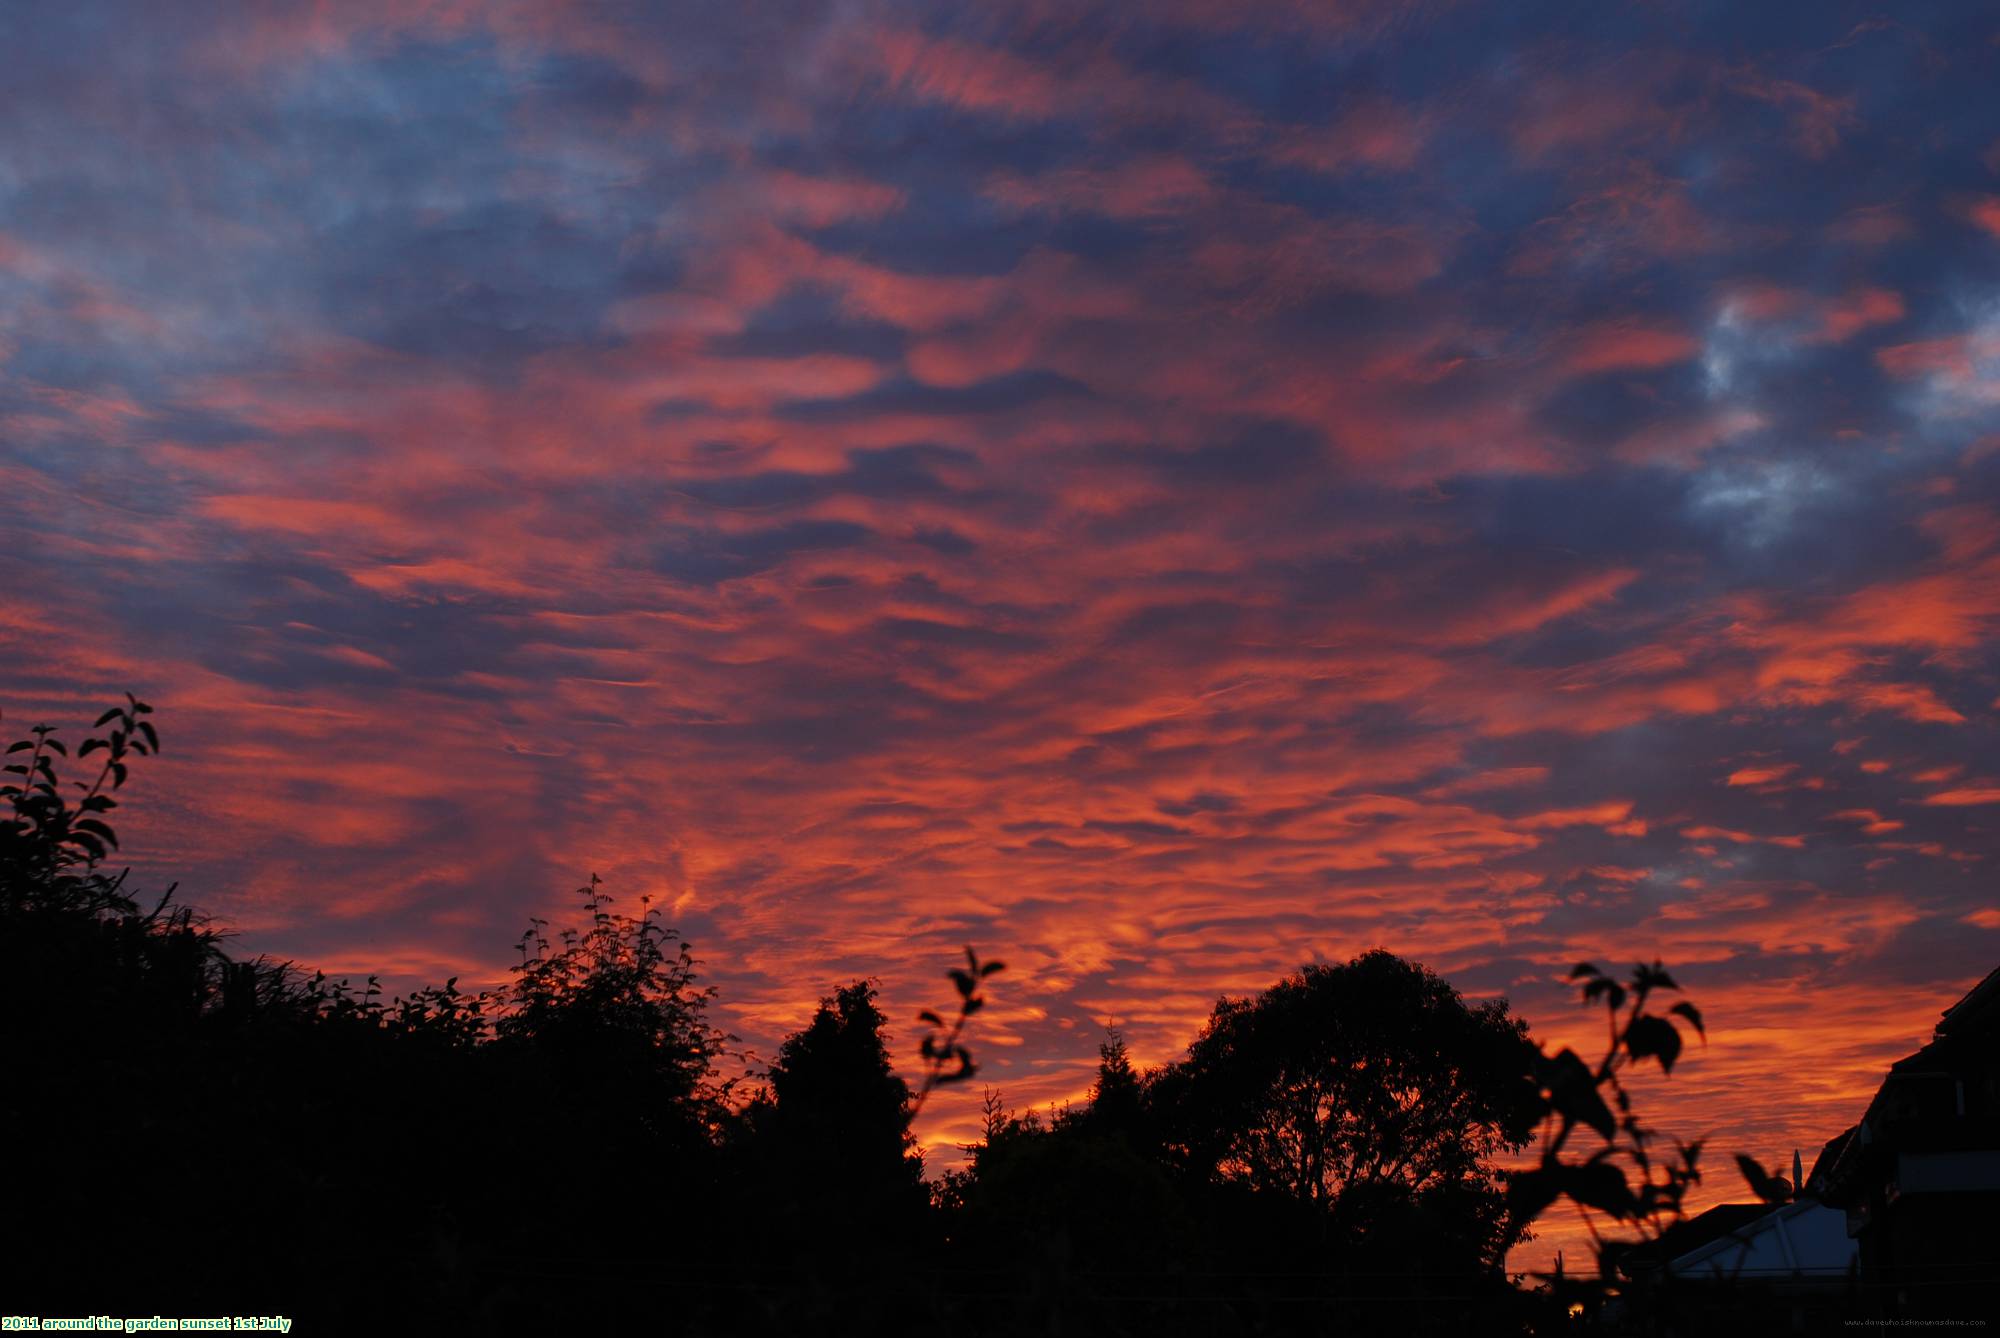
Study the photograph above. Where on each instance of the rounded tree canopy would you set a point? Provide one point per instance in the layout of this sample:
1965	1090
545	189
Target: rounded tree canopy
1370	1080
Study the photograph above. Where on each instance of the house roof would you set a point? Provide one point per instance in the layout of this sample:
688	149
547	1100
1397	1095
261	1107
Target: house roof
1978	1011
1829	1156
1965	1028
1798	1251
1690	1235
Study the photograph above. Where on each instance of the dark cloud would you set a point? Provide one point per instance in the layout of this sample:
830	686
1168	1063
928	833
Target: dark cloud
1000	394
707	558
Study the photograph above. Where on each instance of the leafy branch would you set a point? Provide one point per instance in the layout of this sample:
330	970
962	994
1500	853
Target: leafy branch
43	837
946	1059
1573	1095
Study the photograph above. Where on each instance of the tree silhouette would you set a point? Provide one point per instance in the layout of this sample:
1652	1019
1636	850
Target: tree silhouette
1358	1091
839	1116
1085	1228
615	1004
1117	1098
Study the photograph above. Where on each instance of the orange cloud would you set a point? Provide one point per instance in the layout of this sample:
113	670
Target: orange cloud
1962	798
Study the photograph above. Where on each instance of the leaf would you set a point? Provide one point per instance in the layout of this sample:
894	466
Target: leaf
1613	992
1649	1035
990	968
1692	1014
1573	1092
1582	969
1769	1188
963	980
22	746
1529	1193
1653	977
107	718
1601	1185
928	1016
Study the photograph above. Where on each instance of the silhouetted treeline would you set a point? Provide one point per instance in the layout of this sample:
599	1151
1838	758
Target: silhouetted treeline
193	1133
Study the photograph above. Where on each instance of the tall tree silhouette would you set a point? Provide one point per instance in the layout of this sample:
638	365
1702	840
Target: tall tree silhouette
834	1194
1116	1098
839	1105
840	1116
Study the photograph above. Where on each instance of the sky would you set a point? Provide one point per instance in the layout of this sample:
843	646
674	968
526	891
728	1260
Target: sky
1161	493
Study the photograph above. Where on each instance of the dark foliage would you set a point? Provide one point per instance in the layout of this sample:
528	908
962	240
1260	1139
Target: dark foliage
1367	1094
190	1132
1572	1095
946	1060
827	1151
196	1134
1322	1157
